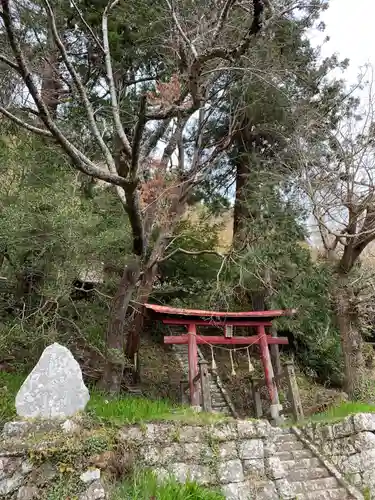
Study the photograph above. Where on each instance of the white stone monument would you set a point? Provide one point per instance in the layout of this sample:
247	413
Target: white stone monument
55	388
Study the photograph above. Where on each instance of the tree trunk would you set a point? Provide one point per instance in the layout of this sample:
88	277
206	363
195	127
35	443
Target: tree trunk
176	211
117	349
2	260
240	213
351	341
113	370
136	326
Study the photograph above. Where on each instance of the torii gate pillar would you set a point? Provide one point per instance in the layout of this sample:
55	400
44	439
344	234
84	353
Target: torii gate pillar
193	364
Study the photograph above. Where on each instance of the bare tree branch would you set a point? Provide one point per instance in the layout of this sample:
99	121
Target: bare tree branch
190	252
172	143
81	90
222	18
111	82
153	139
138	134
9	63
80	160
23	124
181	31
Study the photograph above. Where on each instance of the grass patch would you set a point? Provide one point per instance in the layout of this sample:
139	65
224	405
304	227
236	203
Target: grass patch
9	386
129	410
113	410
144	485
132	410
341	411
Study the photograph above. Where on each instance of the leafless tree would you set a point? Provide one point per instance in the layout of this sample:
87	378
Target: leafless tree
340	186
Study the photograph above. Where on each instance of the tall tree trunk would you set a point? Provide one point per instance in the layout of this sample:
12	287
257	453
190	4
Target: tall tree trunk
115	341
351	340
2	260
136	326
176	211
240	213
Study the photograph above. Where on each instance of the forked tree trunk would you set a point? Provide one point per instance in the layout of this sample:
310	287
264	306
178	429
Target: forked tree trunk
117	328
351	341
115	341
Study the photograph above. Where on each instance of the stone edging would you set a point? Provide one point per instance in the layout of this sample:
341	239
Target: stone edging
354	492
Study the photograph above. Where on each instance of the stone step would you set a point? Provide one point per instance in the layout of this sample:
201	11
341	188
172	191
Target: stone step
219	405
304	463
286	438
283	430
290	446
333	494
293	455
308	474
327	483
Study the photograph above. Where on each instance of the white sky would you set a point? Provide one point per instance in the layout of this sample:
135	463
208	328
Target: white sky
350	26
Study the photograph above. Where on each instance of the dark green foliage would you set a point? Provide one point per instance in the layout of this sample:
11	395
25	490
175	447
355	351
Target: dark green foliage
53	235
187	279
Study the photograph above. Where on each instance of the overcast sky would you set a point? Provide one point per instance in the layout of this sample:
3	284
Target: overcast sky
350	26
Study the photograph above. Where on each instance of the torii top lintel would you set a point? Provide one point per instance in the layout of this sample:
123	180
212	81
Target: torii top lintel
173	315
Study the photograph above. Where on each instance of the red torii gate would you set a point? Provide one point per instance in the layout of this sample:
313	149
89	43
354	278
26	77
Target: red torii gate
191	318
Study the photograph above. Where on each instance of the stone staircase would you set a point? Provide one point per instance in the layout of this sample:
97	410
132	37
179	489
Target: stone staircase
308	477
219	403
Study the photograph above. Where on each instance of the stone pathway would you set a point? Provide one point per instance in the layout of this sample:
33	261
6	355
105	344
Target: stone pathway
219	404
308	478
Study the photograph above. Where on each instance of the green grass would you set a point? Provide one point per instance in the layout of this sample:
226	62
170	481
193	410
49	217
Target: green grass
145	486
341	411
117	411
132	410
9	385
129	410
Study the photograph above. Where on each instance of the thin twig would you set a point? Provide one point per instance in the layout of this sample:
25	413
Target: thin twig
95	38
190	252
182	33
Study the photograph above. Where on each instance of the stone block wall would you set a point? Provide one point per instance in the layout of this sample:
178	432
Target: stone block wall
236	456
350	446
246	460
